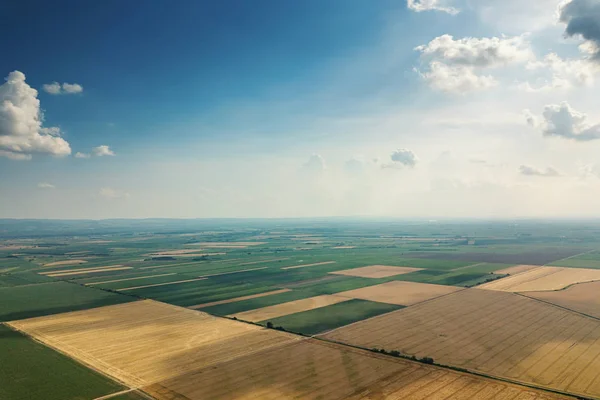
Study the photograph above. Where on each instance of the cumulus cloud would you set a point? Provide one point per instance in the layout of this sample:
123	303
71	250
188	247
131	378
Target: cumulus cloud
457	65
562	120
110	193
564	73
430	5
102	151
65	88
582	18
315	163
45	185
532	171
402	158
21	131
81	155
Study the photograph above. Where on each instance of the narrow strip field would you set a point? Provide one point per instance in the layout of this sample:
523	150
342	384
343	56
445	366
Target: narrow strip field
583	298
400	292
376	271
254	296
309	265
128	279
89	271
496	333
543	278
161	284
279	310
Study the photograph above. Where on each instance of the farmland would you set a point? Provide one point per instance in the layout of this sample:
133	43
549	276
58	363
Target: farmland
152	305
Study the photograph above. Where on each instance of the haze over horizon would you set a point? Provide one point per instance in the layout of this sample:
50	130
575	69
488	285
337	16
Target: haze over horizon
412	109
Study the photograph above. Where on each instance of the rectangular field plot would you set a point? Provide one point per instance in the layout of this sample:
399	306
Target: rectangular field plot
583	298
313	369
145	342
376	271
330	317
400	292
32	371
279	310
52	298
497	333
543	278
516	269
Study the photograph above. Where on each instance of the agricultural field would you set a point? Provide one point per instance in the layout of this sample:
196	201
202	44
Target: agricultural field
109	293
542	279
583	298
29	370
496	333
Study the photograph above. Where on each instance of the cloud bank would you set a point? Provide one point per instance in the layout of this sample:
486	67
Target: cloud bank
582	18
21	131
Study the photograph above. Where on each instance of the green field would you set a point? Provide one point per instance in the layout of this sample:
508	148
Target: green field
330	317
30	370
52	298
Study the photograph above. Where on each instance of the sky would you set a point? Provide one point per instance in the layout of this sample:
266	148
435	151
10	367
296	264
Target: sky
282	108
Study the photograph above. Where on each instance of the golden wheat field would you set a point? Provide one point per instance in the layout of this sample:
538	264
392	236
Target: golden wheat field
543	278
144	342
376	271
498	333
583	298
292	307
400	292
516	269
313	369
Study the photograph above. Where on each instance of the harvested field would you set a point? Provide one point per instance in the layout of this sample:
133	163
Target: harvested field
58	271
254	296
516	269
543	278
309	265
583	298
313	369
400	292
376	271
128	279
496	333
65	262
161	284
87	271
146	342
279	310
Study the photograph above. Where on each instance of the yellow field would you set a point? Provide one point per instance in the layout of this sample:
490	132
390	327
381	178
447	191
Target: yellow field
65	262
86	271
376	271
516	269
292	307
543	278
583	298
401	293
309	265
252	296
496	333
175	353
145	342
312	369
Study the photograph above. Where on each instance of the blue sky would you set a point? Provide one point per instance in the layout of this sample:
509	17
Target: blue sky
239	108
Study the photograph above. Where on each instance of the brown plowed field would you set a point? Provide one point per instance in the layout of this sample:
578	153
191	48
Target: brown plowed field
583	298
376	271
543	278
497	333
399	292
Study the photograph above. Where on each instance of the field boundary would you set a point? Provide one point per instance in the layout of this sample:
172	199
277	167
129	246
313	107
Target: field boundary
558	306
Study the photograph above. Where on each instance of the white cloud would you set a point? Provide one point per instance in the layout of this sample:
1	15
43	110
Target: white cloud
430	5
81	155
532	171
315	163
582	18
21	131
110	193
102	151
564	74
65	88
402	158
563	121
45	185
457	65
